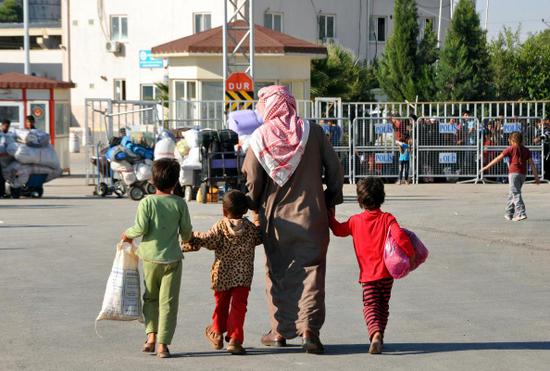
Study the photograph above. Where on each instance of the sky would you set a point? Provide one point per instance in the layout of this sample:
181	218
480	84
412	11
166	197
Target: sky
513	13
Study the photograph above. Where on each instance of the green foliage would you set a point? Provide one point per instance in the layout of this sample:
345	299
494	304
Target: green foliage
398	67
464	72
11	11
426	62
534	67
504	52
163	91
342	75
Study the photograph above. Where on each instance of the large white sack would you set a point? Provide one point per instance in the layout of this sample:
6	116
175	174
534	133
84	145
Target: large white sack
129	177
193	160
192	138
144	171
5	140
165	148
122	300
182	150
33	137
44	156
17	174
117	166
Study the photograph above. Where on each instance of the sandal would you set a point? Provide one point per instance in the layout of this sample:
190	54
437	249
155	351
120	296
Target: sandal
165	354
214	338
149	347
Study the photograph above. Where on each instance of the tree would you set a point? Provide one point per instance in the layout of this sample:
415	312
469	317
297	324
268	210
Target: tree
398	69
504	52
11	11
426	66
533	67
463	71
342	75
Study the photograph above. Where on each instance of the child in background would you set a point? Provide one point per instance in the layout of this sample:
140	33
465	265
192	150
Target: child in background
369	231
161	218
519	156
234	239
404	159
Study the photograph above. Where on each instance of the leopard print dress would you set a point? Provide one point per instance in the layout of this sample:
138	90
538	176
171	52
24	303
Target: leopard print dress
234	242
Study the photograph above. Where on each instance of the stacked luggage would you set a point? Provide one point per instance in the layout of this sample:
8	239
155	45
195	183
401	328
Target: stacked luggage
133	163
187	153
28	161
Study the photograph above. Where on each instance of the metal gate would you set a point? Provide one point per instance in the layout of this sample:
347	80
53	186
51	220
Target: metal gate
376	150
495	135
447	147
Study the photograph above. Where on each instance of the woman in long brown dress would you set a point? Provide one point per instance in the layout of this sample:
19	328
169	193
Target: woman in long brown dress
288	161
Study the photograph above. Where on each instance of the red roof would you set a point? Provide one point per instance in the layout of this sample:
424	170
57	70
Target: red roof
16	80
266	41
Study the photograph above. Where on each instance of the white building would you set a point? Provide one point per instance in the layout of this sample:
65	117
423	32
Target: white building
106	39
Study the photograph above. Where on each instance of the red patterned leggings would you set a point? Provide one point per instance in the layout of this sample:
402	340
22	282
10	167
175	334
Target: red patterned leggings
376	304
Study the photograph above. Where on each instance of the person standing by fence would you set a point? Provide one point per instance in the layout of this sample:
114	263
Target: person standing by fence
404	159
519	156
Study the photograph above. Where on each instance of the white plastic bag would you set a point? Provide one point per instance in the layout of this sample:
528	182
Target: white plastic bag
122	300
129	177
165	148
144	171
192	138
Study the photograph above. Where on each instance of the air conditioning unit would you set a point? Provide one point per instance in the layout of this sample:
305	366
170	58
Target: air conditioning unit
113	46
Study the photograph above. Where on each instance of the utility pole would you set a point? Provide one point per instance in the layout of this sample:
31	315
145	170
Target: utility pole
439	24
452	6
26	43
486	12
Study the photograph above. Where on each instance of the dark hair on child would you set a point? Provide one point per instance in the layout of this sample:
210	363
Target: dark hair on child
166	172
516	137
370	193
235	203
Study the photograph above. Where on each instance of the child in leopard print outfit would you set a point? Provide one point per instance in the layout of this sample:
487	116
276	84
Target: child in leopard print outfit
234	239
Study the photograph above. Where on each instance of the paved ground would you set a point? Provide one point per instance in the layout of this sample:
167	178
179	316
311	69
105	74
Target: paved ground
481	302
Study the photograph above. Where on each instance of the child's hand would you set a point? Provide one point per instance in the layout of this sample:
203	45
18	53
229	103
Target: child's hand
537	180
125	238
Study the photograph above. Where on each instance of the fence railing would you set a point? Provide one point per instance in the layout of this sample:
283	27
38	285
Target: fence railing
450	140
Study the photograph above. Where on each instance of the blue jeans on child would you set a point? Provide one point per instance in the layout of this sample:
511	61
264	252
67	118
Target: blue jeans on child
515	205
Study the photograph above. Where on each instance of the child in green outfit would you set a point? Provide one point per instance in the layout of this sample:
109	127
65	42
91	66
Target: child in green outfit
160	219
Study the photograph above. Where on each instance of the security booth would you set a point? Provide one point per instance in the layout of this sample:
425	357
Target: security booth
47	100
195	71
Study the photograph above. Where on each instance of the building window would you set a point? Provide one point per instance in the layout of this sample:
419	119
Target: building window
377	29
425	24
119	27
119	89
185	90
149	92
274	21
326	27
202	22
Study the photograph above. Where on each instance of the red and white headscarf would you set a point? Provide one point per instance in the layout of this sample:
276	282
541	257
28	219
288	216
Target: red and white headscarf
280	142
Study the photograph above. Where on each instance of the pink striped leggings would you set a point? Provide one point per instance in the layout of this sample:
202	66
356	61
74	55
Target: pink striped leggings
376	304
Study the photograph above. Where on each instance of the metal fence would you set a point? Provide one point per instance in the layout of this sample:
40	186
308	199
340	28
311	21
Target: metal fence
495	135
376	146
449	142
447	147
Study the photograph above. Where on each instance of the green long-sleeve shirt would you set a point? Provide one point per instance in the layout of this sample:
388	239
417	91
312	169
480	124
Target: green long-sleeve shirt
159	221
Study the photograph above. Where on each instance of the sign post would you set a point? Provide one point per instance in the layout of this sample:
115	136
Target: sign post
238	87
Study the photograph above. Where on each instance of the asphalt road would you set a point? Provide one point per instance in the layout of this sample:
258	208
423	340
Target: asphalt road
481	301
